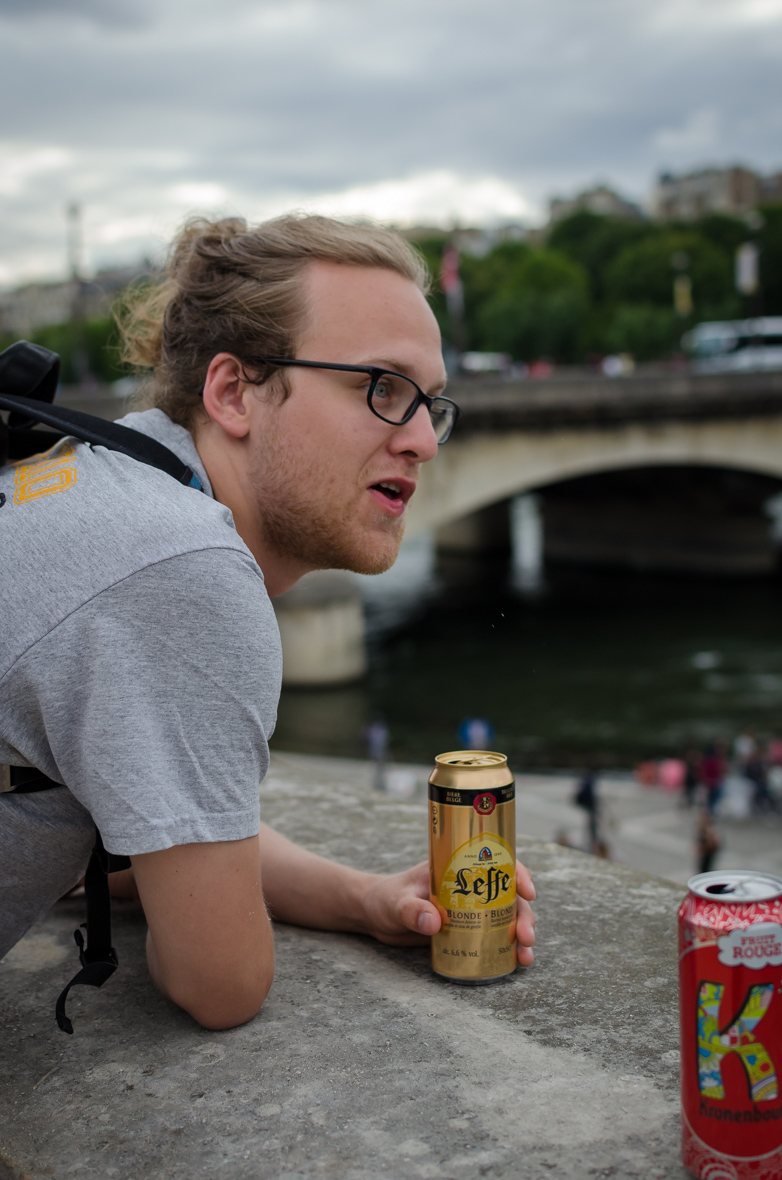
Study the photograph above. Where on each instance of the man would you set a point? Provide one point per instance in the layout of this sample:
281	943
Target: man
297	371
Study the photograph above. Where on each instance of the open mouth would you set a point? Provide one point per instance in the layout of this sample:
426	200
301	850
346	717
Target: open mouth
392	491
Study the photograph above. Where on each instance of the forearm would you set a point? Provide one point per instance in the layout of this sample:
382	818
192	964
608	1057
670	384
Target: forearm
210	946
307	890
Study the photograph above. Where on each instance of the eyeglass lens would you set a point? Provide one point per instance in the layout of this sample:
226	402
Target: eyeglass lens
393	395
443	415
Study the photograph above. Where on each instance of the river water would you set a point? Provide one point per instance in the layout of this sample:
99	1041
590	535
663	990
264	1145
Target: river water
597	666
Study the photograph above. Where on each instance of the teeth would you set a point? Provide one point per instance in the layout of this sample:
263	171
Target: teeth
392	487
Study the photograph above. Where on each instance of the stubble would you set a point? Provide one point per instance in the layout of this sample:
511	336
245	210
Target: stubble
298	523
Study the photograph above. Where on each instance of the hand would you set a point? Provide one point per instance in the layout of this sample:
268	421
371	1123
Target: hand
398	910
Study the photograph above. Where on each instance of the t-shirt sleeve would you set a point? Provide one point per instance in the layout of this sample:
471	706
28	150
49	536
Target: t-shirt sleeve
154	702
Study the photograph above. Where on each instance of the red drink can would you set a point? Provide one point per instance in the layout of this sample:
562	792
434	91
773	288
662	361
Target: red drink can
730	995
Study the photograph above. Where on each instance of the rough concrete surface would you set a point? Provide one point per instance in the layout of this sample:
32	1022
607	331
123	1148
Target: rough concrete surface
361	1064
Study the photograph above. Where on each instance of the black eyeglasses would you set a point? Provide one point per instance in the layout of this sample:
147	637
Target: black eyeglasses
391	396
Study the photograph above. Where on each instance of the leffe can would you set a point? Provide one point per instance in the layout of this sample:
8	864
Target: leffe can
472	861
730	994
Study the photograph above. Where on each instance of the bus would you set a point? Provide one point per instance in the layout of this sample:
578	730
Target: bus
735	346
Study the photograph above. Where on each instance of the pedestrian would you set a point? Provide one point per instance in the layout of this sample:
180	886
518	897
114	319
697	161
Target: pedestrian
476	733
745	749
692	765
774	770
756	771
774	751
586	798
712	774
377	735
297	373
707	841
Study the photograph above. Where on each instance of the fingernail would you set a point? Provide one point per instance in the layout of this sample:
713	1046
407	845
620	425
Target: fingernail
425	923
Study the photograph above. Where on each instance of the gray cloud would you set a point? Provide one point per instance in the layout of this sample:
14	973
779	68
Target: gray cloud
286	100
106	13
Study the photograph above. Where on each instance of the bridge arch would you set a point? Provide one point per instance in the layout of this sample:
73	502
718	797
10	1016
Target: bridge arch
474	472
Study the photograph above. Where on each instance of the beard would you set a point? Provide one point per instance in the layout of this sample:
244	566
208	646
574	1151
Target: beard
299	522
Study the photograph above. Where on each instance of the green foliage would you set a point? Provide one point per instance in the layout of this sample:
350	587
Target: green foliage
90	347
643	273
534	305
483	277
531	325
595	241
432	250
727	233
645	331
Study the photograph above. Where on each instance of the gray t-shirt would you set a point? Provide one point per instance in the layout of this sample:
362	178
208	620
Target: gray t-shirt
140	665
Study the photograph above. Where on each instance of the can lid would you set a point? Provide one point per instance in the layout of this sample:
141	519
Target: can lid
471	758
735	885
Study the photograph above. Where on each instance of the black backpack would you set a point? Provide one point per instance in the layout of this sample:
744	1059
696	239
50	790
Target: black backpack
29	376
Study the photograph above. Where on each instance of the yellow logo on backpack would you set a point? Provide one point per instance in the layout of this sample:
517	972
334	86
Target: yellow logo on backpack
45	475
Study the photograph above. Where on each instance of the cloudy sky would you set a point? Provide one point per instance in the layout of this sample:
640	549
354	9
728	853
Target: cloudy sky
409	110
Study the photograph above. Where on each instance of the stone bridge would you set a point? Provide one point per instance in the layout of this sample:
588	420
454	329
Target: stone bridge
519	436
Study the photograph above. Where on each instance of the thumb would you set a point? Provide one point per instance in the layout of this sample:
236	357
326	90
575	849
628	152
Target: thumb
420	915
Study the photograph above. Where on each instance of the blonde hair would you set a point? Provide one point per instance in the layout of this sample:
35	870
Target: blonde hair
229	287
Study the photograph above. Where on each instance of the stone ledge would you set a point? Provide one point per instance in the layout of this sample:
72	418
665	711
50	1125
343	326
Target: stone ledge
361	1065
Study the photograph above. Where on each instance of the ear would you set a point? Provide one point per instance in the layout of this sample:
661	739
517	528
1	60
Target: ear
226	395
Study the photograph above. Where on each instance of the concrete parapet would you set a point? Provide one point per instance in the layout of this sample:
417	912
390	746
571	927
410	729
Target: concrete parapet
321	623
361	1065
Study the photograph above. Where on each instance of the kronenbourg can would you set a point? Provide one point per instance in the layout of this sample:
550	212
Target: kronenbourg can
730	992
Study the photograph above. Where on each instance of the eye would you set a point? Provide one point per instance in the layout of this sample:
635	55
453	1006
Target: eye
383	390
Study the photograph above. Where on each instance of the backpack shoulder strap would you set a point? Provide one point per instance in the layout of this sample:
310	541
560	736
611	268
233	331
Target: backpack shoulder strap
28	384
95	431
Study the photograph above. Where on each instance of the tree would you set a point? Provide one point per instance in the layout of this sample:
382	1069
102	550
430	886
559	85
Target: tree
643	273
528	302
727	233
100	341
646	332
594	241
431	249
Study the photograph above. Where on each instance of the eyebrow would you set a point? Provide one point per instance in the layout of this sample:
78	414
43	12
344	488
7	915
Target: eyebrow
400	367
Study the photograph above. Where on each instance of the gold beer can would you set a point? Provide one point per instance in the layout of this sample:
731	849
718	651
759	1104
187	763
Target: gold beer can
472	864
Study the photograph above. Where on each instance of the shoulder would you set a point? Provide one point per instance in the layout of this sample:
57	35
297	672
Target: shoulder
205	598
154	702
78	520
204	615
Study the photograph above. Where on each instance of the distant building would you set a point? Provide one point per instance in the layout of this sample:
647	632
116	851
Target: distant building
602	200
771	189
39	305
735	191
36	305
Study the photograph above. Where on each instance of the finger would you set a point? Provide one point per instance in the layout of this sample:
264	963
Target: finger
417	878
525	923
524	883
524	955
419	915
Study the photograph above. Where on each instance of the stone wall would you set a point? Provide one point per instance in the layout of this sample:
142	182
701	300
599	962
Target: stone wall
362	1065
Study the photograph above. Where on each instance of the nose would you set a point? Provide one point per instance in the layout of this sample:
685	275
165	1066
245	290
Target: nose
416	438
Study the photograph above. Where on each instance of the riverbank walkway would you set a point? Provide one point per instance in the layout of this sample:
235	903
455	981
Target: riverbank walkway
646	827
362	1065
